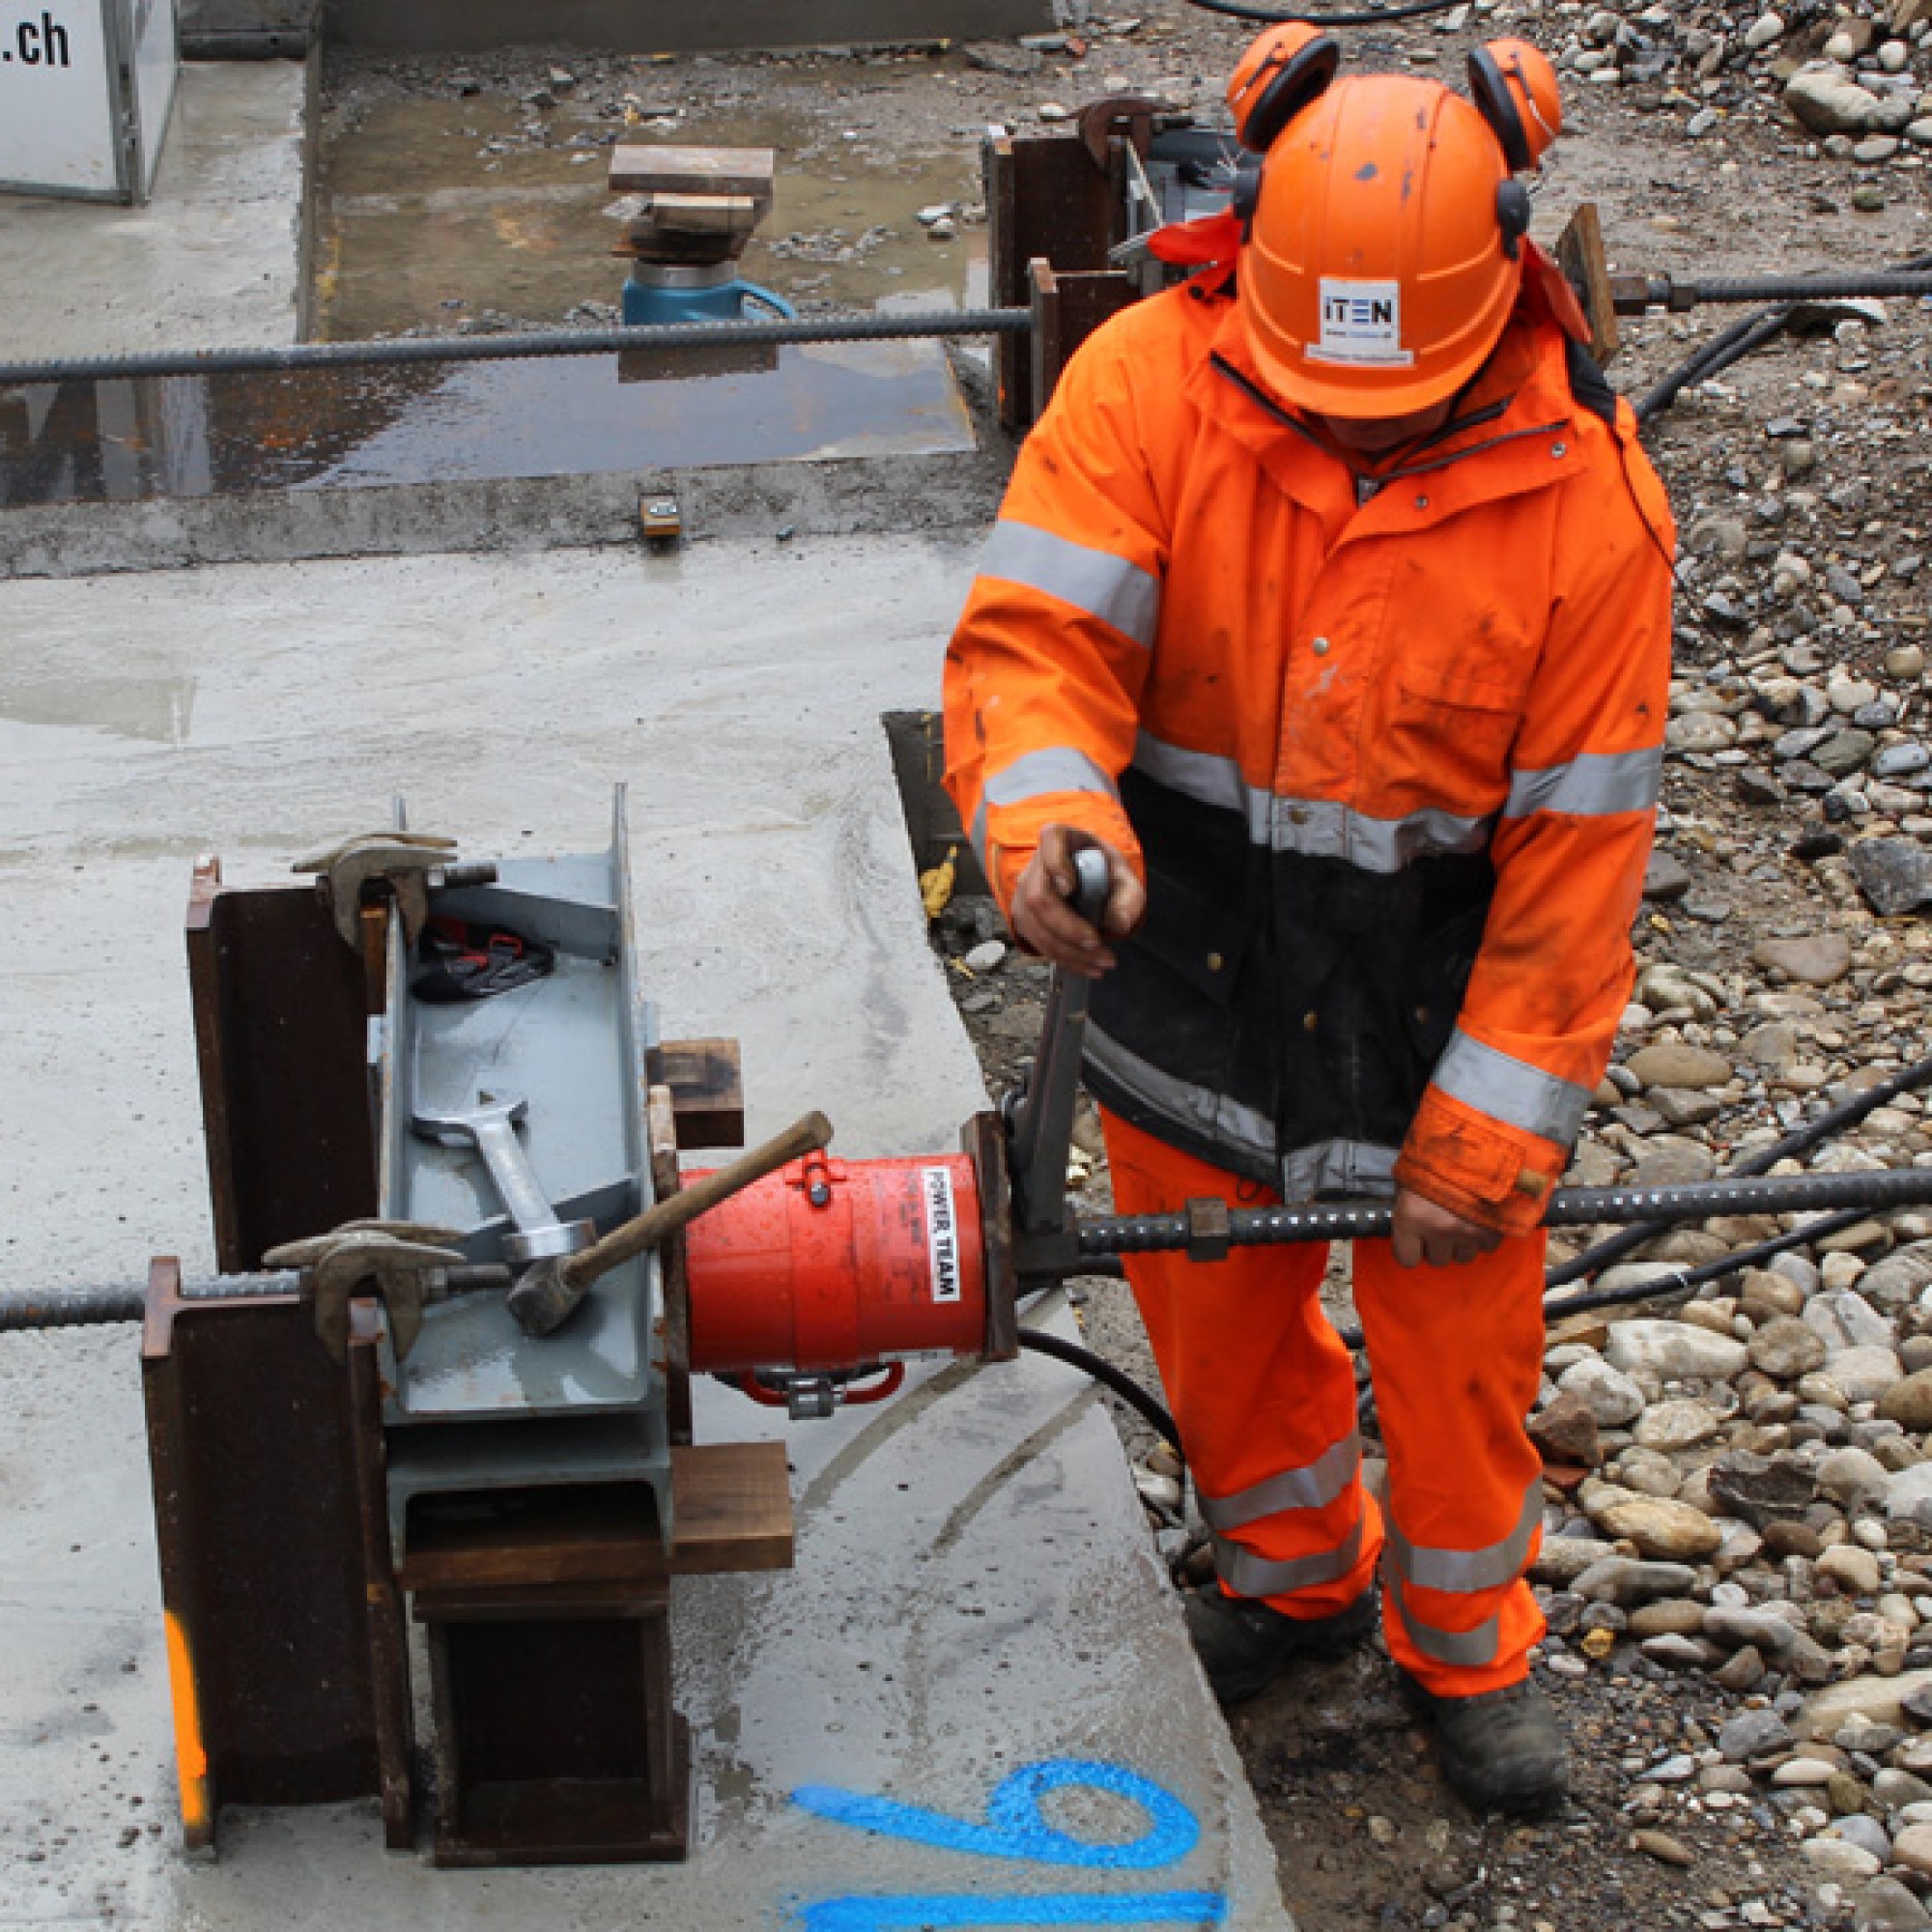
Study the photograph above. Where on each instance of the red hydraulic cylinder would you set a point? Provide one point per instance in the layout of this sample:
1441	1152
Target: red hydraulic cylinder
839	1264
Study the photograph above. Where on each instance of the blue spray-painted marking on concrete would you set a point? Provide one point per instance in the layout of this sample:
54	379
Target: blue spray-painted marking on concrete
1068	1909
1014	1827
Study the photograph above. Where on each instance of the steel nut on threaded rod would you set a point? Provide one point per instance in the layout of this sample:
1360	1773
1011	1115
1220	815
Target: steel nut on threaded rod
1569	1207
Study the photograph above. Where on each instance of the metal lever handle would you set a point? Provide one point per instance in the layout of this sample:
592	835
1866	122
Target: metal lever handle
1042	1113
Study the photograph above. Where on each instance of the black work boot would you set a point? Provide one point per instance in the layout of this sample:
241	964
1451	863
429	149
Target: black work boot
1501	1749
1243	1645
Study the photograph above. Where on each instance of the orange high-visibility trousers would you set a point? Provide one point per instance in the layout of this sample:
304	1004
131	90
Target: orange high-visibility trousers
1264	1393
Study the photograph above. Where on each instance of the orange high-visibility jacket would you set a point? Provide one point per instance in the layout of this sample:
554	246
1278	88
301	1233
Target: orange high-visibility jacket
1387	748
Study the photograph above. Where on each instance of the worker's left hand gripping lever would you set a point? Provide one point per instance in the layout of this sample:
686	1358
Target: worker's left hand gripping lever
1041	1113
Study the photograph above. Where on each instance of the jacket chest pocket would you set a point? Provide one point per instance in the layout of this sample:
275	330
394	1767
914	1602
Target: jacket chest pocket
1454	713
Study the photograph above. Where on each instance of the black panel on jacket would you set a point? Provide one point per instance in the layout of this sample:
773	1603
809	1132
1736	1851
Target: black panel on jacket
1315	994
1588	383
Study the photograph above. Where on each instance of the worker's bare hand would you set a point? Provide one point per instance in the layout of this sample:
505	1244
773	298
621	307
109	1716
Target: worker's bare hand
1422	1230
1047	924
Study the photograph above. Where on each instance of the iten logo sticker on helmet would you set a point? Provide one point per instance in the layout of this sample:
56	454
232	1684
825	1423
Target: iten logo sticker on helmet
1361	322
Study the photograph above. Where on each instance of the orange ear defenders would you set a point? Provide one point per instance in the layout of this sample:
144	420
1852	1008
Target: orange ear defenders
1514	88
1281	72
1511	83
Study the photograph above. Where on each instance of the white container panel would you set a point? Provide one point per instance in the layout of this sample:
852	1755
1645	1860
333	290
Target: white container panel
156	65
57	119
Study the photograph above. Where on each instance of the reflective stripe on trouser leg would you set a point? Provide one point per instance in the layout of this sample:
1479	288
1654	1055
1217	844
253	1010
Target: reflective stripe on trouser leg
1262	1388
1459	1572
1247	1575
1456	1355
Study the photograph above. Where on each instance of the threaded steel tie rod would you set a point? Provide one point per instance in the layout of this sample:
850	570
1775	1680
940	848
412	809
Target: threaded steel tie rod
125	1301
516	346
1569	1207
1633	293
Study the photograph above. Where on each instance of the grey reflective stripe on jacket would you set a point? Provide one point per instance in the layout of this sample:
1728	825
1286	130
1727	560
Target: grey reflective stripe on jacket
1110	588
1598	785
1238	1129
1315	827
1247	1575
1312	1486
1036	775
1511	1090
1337	1167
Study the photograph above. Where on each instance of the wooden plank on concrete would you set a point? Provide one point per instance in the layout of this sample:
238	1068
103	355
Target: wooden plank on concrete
733	1507
594	1532
733	1504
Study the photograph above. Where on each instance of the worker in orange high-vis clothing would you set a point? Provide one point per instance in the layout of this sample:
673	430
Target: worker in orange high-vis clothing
1330	600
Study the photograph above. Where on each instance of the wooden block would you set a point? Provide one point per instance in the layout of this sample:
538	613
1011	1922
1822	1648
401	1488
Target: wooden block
637	168
1580	254
701	213
594	1533
546	1603
596	1545
732	1506
707	1088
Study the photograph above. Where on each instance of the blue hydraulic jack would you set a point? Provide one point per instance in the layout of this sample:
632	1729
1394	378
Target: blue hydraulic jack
659	294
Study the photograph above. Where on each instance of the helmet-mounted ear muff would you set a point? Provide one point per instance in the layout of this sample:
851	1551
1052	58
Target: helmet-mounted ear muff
1281	73
1512	215
1294	66
1514	88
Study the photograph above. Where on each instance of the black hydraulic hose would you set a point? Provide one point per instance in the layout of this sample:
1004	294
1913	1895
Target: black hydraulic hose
523	344
1738	341
1733	345
1367	16
1679	1280
1684	1279
1103	1371
1846	1114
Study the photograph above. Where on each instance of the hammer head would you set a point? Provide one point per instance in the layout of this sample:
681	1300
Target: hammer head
545	1297
457	1126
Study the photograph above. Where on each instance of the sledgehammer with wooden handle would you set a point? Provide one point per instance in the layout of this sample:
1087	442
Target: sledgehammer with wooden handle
547	1294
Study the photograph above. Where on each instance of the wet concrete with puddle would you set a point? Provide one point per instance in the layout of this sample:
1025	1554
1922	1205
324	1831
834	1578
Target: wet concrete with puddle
222	435
431	210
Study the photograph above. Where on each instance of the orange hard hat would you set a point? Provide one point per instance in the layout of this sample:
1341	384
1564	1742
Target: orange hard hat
1381	259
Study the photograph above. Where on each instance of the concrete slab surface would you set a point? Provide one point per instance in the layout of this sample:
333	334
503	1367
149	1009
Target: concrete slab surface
975	1601
213	261
185	437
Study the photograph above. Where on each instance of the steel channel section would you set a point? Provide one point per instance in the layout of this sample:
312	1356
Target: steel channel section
554	1737
280	1016
478	1405
259	1506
